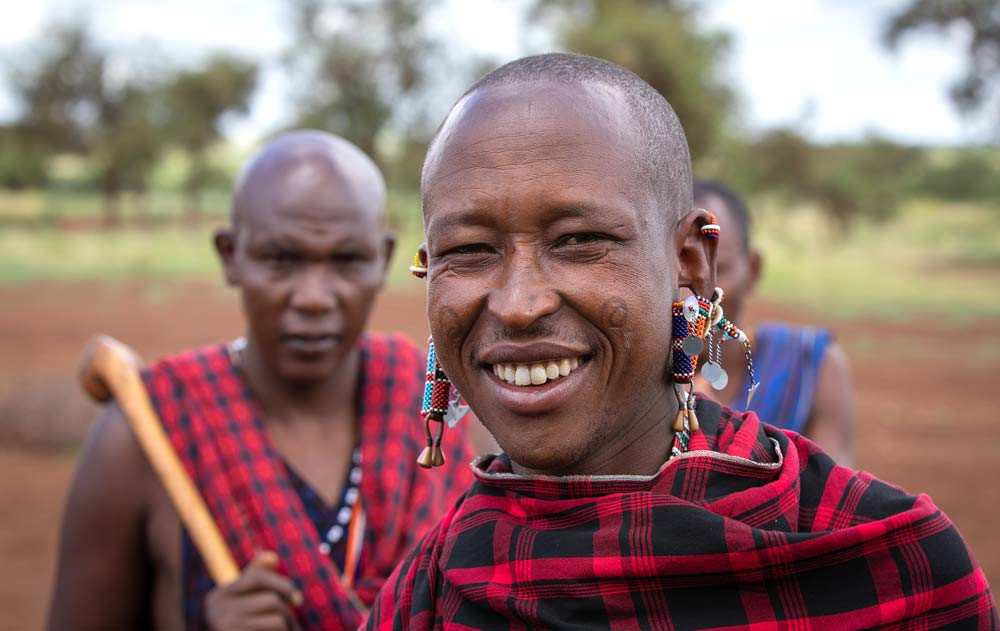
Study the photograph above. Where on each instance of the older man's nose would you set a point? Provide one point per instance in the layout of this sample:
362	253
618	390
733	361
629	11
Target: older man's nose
313	291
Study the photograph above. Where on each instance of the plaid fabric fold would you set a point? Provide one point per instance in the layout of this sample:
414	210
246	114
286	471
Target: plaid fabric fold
753	528
218	430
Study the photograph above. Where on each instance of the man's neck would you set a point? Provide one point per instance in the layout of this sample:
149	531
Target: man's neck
641	451
288	402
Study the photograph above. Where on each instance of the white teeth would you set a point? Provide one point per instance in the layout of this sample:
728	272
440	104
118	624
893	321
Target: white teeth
522	376
535	374
538	374
552	370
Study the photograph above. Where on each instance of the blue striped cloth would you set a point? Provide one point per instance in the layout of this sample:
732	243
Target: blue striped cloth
787	360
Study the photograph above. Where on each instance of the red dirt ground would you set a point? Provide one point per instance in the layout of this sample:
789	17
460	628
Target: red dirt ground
926	397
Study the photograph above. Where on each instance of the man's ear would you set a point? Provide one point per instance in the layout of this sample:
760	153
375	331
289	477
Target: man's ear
756	260
389	248
696	253
225	245
422	254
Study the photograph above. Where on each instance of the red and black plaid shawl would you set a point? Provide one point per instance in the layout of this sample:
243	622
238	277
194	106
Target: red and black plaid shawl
752	529
218	430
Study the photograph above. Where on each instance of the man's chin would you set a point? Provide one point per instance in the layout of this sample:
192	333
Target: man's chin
307	373
555	454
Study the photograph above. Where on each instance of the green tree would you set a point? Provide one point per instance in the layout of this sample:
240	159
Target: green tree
847	181
70	101
361	65
979	88
22	162
662	42
196	102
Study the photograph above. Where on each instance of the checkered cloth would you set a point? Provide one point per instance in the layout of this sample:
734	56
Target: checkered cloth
754	528
218	430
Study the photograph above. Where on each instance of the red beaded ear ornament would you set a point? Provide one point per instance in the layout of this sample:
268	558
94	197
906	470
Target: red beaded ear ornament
711	230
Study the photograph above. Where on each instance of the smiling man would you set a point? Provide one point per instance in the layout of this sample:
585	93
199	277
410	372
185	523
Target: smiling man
560	230
298	435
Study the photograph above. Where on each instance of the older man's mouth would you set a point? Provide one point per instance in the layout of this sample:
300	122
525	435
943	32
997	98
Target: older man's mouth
537	373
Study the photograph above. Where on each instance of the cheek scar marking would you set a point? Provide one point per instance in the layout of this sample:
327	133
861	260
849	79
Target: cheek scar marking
615	313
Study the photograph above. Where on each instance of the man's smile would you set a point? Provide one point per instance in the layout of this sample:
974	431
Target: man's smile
537	379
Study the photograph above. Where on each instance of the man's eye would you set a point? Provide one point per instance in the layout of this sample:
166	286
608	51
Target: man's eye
582	238
284	257
346	257
471	248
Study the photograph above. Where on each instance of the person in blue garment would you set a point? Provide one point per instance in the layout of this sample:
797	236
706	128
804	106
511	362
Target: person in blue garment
805	382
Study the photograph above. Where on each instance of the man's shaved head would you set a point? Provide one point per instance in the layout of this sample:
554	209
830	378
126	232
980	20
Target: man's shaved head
662	157
299	160
309	252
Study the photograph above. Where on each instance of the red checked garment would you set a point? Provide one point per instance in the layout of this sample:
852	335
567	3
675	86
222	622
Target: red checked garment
218	430
752	529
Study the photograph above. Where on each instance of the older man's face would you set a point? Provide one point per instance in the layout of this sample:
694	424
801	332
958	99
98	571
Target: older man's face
551	272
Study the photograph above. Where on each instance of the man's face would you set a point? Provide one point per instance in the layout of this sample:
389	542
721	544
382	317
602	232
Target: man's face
548	254
309	256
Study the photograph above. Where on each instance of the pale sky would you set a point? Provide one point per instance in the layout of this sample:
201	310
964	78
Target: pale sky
818	64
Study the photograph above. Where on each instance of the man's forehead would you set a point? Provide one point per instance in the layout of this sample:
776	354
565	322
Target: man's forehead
307	189
509	117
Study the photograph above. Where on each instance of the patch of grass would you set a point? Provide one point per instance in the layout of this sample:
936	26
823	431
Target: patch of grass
31	255
66	206
932	259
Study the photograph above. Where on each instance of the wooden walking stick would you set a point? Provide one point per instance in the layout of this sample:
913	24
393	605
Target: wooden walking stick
111	370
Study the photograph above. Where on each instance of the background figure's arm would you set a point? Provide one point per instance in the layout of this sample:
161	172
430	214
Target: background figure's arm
832	423
102	579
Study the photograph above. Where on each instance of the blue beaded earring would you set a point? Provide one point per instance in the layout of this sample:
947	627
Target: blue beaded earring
441	403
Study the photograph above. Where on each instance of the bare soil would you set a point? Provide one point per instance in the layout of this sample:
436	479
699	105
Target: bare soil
926	393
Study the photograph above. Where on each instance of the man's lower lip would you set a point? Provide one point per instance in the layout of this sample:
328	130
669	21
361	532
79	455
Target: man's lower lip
310	344
535	399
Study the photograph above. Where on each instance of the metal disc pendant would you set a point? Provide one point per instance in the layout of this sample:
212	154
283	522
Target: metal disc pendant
710	371
722	380
692	345
691	308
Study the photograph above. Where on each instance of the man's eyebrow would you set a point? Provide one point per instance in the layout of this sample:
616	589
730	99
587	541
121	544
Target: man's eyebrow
480	217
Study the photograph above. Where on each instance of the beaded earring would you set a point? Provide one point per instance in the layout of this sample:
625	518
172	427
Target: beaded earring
698	321
442	403
437	394
711	230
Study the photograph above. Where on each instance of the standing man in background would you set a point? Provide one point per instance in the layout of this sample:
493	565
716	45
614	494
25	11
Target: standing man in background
805	379
300	435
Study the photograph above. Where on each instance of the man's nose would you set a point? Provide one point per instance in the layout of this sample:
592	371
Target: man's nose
314	290
525	294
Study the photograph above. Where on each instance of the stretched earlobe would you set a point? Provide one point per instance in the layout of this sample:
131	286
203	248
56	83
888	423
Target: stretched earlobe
697	238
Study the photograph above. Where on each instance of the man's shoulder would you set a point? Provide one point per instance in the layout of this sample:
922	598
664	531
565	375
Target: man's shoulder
391	347
197	365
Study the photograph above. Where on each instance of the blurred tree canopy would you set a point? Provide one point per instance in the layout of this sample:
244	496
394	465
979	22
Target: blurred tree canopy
359	63
369	69
196	101
74	99
662	42
846	180
979	88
